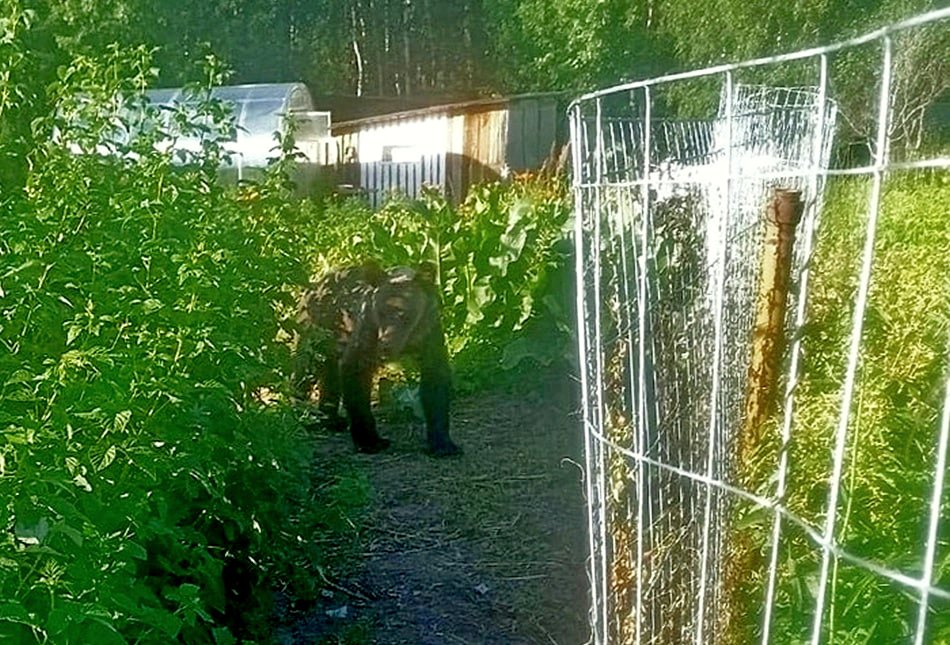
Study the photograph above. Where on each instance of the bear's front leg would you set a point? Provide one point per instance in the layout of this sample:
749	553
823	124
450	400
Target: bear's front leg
330	392
357	378
435	392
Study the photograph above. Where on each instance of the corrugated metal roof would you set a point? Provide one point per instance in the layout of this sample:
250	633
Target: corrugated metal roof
449	109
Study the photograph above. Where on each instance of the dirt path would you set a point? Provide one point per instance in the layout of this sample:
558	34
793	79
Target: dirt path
483	549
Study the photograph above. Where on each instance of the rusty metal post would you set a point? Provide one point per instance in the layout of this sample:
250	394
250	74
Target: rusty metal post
782	215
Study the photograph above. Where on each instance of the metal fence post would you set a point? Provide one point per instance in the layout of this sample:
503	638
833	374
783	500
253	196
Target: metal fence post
782	215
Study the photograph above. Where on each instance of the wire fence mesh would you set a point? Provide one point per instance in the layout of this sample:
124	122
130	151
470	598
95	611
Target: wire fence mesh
766	443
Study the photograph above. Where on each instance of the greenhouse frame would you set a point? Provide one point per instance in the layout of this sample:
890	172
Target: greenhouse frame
260	111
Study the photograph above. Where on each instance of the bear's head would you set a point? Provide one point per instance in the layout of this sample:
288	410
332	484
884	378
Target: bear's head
405	309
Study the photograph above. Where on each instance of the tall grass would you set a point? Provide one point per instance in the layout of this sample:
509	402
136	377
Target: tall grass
892	434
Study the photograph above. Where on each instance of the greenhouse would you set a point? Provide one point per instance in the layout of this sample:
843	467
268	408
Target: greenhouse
260	111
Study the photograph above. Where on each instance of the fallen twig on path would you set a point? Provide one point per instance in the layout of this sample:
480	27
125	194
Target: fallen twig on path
352	593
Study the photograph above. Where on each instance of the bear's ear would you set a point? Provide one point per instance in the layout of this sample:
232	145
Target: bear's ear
373	273
425	273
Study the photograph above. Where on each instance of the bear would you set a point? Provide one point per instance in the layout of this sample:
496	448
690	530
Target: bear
353	320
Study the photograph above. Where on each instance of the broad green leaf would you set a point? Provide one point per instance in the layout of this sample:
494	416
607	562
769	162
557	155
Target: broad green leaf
223	636
22	395
20	376
96	629
15	270
14	612
58	621
107	458
166	621
80	481
74	535
121	421
135	550
72	333
152	305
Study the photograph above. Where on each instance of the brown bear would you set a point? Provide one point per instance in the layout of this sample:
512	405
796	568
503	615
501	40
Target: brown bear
354	319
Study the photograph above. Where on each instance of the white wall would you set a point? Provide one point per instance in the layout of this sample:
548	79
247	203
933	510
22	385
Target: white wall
407	140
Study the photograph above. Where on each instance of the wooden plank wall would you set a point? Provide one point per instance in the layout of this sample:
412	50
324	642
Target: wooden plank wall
379	180
479	145
534	128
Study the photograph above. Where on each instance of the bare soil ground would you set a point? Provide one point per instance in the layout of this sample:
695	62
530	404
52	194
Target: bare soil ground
481	549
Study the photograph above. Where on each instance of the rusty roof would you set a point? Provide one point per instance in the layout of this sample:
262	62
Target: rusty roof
448	109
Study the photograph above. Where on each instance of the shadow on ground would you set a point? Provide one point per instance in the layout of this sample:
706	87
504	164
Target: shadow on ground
483	549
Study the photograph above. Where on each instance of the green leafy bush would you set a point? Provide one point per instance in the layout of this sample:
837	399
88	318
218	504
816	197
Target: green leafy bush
147	490
500	257
20	84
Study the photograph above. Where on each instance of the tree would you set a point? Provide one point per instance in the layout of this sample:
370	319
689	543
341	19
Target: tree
574	44
398	47
466	48
29	56
732	30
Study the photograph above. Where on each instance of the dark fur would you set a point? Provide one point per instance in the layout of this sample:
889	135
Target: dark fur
354	319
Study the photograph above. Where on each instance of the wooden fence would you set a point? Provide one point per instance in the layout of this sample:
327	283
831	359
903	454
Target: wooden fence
378	180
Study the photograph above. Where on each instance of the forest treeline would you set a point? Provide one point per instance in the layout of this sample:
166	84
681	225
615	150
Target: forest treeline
459	49
412	47
445	50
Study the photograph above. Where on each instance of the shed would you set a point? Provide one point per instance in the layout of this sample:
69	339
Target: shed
449	146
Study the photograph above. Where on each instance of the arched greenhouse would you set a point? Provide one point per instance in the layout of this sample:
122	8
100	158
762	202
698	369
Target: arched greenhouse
260	111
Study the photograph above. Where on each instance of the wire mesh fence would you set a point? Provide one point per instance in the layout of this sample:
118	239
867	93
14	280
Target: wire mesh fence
764	335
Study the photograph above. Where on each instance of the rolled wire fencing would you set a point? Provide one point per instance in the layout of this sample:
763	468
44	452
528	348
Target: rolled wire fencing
759	467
